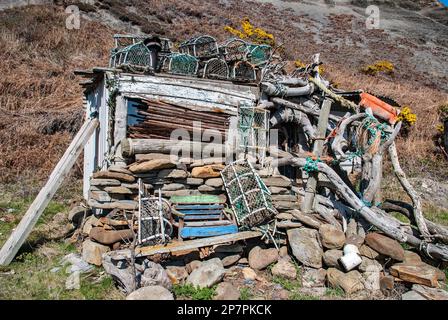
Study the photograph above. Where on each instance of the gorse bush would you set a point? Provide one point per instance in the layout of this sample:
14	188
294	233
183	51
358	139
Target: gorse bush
251	33
383	66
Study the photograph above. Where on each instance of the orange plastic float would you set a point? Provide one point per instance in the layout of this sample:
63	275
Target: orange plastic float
379	108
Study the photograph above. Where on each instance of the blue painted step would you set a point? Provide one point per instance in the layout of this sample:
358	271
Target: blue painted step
188	232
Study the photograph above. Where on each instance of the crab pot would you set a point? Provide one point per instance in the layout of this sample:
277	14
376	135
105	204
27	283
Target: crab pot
200	47
244	71
235	50
180	63
216	69
259	54
134	55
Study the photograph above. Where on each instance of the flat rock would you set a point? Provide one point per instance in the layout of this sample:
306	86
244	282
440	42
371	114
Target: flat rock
331	258
261	258
118	190
207	161
286	205
90	222
210	171
284	216
412	295
154	156
205	188
193	265
155	275
313	277
214	182
104	182
249	274
278	190
155	164
119	204
277	181
77	214
430	293
226	291
207	274
306	247
356	240
73	281
385	245
195	181
177	274
230	260
172	174
92	252
151	293
229	248
372	279
350	282
387	284
411	257
284	268
114	175
284	197
101	196
420	273
369	265
120	169
283	252
331	237
173	187
281	294
368	252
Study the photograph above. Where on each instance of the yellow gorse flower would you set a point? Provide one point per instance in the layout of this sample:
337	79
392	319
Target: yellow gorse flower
407	116
256	35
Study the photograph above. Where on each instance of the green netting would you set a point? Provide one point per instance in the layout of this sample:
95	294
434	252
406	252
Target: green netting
134	55
259	54
181	63
249	197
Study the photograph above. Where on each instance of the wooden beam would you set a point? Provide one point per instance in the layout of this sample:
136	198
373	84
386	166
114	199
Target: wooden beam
318	147
60	172
184	245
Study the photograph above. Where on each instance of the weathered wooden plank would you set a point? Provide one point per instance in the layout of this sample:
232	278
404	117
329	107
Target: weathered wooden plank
190	232
60	172
201	217
199	211
174	247
198	206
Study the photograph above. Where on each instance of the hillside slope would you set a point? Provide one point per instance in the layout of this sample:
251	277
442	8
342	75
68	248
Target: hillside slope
40	101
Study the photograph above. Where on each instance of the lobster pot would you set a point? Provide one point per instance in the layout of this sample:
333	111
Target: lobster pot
134	55
244	71
153	218
249	197
235	50
259	54
253	131
216	69
200	47
180	63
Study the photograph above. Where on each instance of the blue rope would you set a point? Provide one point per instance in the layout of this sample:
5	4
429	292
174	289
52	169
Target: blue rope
311	165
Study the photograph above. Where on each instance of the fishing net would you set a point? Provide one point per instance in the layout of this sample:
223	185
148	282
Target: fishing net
249	197
259	54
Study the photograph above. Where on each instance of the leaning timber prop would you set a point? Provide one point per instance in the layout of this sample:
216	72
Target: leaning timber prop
60	172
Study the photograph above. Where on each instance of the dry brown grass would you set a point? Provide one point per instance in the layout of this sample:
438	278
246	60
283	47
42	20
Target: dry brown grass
38	90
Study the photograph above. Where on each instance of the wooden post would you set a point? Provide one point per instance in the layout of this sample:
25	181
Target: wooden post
60	172
318	146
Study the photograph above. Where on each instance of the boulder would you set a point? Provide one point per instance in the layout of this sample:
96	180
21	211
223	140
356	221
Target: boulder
412	295
372	278
368	252
261	258
89	224
195	181
193	265
151	293
306	247
281	294
177	274
331	237
430	293
385	245
226	291
356	240
120	271
284	268
214	182
283	252
313	277
249	274
210	171
350	282
114	175
207	274
369	265
92	252
154	275
155	164
331	258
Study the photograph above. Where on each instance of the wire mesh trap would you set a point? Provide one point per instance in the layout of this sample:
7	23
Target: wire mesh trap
253	130
235	50
249	197
180	63
153	218
201	47
216	69
258	54
244	71
134	55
